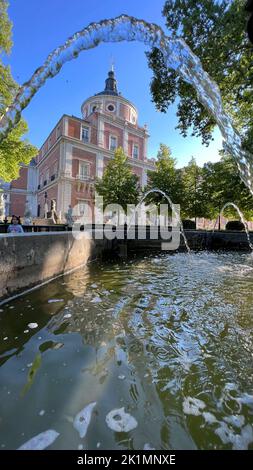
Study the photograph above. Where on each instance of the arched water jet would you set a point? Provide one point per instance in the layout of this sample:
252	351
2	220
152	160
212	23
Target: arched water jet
177	55
159	191
241	217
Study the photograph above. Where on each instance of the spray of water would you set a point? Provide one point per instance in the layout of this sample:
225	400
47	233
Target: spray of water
177	55
178	219
231	204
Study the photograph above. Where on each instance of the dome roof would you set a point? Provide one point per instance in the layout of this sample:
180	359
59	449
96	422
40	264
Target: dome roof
110	85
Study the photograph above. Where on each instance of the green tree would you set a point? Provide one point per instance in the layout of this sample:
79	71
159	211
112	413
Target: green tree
13	150
165	177
221	184
215	31
193	204
118	185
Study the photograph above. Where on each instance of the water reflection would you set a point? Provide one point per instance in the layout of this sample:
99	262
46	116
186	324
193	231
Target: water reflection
168	338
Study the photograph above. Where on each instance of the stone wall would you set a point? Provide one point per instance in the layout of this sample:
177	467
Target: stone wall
29	259
197	240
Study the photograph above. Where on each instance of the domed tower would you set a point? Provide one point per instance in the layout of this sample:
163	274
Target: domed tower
109	122
110	102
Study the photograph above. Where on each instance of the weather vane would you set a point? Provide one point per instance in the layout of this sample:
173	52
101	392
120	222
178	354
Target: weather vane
112	63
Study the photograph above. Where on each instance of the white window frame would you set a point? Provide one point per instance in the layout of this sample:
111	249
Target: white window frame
133	118
112	136
80	175
138	151
82	202
81	133
92	106
47	175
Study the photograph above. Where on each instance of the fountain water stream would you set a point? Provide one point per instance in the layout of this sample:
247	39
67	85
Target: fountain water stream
241	217
177	55
179	221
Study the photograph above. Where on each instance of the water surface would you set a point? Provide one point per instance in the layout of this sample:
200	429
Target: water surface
167	338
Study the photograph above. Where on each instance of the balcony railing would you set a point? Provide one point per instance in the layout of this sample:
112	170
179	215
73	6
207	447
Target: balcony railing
84	177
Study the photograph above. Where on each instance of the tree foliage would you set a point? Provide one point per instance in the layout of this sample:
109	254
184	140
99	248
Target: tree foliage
215	31
118	184
201	192
13	150
193	203
221	184
165	177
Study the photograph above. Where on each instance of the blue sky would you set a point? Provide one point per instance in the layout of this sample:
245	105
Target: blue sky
39	27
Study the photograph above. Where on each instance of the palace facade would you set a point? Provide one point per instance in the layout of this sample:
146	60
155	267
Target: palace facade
77	151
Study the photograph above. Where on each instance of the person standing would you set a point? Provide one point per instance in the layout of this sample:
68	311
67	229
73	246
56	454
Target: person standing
15	226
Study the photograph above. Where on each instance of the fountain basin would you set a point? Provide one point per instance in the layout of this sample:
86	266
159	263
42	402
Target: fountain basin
165	342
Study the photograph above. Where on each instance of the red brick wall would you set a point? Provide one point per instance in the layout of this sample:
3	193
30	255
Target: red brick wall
133	139
81	190
93	136
49	163
113	130
17	205
124	111
79	154
74	128
52	138
21	181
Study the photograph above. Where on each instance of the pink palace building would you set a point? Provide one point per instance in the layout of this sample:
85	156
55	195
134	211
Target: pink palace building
76	152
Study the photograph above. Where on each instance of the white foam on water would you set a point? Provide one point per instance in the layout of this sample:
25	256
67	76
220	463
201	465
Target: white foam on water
209	417
41	441
147	446
82	420
235	420
51	301
193	406
67	315
32	325
121	377
242	441
246	399
119	421
224	433
238	441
